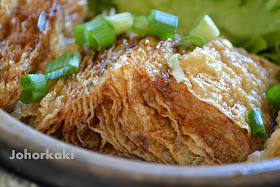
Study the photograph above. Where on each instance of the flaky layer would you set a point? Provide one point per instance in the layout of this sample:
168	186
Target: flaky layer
271	146
127	98
25	46
230	79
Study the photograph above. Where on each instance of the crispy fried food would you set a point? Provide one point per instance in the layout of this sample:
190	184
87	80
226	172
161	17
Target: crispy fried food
271	146
24	46
126	97
6	9
124	101
53	111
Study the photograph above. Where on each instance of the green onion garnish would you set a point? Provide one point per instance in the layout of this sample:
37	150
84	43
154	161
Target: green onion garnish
42	20
81	35
278	76
206	29
96	34
82	32
102	37
256	123
192	41
36	87
28	96
273	96
34	82
121	22
141	25
63	66
177	71
163	24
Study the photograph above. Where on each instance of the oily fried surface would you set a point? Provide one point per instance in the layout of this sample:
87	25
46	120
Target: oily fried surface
24	46
126	98
6	9
65	98
271	146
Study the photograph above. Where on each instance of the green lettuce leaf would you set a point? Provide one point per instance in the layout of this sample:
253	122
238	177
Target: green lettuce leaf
251	24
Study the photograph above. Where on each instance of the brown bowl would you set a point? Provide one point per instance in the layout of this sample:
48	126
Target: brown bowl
89	168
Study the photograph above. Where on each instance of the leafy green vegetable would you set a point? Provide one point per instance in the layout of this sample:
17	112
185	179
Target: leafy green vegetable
256	45
96	7
251	24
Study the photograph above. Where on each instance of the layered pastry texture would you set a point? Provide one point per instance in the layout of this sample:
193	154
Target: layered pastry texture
125	101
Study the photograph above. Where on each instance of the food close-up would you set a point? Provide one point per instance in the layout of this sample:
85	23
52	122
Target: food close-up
186	83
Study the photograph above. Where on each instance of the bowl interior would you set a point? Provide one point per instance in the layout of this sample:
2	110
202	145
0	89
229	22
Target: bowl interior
88	167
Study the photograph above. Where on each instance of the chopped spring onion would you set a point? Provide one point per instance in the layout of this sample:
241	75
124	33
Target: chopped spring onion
273	96
36	87
177	71
121	22
206	29
35	82
102	37
42	20
96	34
82	32
278	76
81	35
192	41
163	24
95	23
141	25
256	123
28	96
63	66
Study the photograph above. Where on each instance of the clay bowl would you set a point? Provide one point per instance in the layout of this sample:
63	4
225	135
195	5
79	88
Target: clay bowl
93	169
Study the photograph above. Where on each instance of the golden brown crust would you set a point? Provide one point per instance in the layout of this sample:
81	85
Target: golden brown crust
25	46
7	7
230	79
126	99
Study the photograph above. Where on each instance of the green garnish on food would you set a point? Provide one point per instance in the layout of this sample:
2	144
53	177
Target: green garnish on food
256	123
63	66
36	87
96	33
102	37
163	24
82	32
28	97
121	22
34	82
240	21
141	25
192	41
